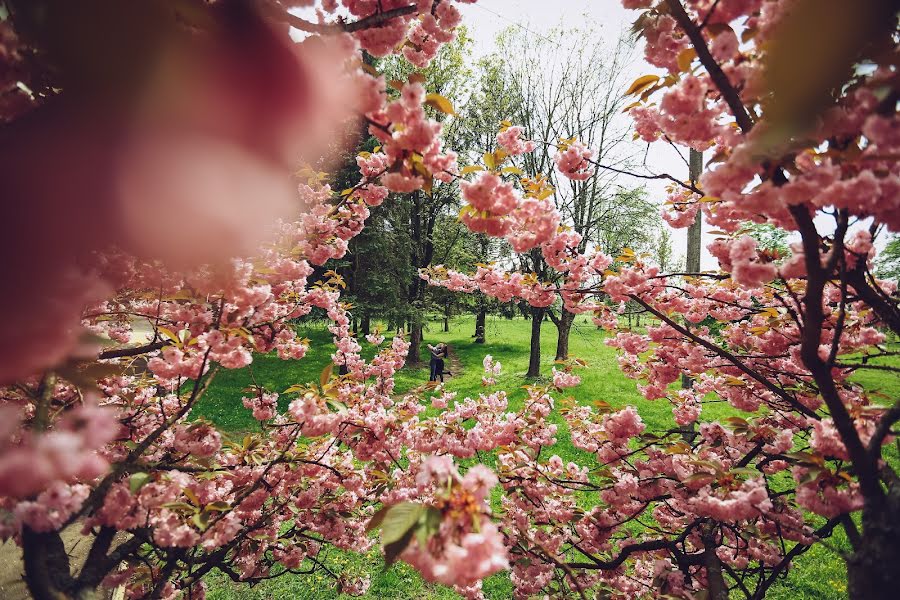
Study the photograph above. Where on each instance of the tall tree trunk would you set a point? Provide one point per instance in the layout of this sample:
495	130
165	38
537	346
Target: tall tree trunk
534	358
415	345
563	327
692	265
365	325
480	321
693	238
872	571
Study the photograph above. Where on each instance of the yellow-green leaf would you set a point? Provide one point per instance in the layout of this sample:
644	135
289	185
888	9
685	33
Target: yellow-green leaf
440	103
641	83
685	58
326	374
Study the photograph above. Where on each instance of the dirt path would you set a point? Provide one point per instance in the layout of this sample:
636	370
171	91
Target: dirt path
456	367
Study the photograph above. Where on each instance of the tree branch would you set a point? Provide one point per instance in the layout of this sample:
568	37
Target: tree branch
131	351
729	94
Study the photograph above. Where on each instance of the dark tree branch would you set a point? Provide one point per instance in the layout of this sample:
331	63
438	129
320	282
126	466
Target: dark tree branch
132	351
729	94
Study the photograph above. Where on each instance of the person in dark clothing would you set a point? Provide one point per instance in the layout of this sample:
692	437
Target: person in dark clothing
436	364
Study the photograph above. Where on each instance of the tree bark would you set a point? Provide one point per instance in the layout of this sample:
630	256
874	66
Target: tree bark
47	569
365	325
692	265
715	580
415	345
872	568
480	321
563	328
694	244
534	358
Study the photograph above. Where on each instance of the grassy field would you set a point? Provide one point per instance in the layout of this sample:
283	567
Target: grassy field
819	574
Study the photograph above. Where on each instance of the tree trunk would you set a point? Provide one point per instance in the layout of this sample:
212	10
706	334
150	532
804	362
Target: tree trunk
46	564
563	327
534	358
716	586
692	265
446	323
480	321
365	325
694	244
872	571
415	345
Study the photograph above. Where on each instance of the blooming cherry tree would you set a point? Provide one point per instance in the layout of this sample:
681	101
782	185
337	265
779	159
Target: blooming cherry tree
101	438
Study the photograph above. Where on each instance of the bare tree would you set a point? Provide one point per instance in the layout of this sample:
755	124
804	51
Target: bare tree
562	93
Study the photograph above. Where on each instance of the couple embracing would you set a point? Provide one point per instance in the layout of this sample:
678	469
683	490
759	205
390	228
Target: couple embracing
439	353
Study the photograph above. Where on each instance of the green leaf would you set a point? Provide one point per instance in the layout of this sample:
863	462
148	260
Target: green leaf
201	520
377	518
137	481
393	550
336	406
745	471
399	521
429	525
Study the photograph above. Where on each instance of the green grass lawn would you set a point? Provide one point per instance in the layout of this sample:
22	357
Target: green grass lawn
818	574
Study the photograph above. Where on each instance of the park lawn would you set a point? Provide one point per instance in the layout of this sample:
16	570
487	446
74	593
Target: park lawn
817	574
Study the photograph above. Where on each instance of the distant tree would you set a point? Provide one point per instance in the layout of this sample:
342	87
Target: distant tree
663	253
558	95
769	237
887	266
415	216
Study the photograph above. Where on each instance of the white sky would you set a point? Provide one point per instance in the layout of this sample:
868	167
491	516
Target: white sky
487	18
